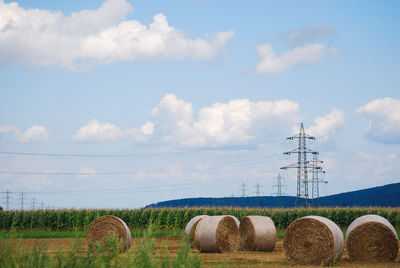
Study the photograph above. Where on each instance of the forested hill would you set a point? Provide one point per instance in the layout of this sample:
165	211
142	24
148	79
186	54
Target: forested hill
382	196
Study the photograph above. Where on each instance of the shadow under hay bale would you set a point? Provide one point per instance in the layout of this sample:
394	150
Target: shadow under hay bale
217	234
313	240
108	226
191	227
371	238
257	233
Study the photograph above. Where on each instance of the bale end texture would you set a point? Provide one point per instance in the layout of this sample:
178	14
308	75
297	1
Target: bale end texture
313	240
372	239
217	234
107	226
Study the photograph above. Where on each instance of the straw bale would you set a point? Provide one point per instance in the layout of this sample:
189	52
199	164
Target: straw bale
371	238
236	220
191	227
106	226
257	233
217	234
313	240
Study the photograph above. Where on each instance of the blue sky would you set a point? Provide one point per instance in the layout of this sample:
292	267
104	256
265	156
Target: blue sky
123	103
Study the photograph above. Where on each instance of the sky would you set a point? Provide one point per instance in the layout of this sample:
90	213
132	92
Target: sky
120	104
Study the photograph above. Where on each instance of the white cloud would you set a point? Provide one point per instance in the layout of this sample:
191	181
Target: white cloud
271	63
144	133
326	126
384	120
9	129
96	131
34	134
235	122
39	37
173	117
308	34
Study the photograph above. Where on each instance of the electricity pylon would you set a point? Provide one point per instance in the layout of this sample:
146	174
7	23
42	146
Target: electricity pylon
316	180
302	166
279	186
257	192
243	190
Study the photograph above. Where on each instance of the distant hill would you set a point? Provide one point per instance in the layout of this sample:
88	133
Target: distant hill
382	196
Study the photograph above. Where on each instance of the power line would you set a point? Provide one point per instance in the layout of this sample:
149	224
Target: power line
186	152
171	187
241	163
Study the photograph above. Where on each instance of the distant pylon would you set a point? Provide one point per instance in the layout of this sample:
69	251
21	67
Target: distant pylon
279	186
8	197
21	200
302	197
257	192
243	190
33	204
316	180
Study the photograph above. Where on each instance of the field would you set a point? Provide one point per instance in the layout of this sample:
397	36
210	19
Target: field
62	241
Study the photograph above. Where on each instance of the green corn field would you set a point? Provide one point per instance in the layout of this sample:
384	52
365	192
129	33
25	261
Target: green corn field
175	218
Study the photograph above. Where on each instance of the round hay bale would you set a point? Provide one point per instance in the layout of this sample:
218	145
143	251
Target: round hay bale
106	226
257	233
236	220
371	238
191	227
217	234
313	240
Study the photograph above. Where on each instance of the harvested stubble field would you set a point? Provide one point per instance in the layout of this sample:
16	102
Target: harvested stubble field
172	243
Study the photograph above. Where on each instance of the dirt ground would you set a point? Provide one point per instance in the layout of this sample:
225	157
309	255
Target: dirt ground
237	259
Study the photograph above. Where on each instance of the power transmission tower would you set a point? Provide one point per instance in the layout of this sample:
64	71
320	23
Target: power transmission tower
257	192
316	180
279	186
8	197
243	190
33	204
302	197
21	200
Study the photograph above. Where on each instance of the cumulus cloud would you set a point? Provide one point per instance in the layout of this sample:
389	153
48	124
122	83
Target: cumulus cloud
304	50
384	120
272	63
95	131
144	133
326	126
235	122
308	34
34	134
39	37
